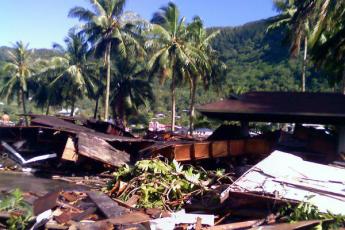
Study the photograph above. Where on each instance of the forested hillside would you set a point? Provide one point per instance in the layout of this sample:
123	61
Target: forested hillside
258	60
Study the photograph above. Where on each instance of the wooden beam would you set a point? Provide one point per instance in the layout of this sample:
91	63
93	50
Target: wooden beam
100	150
70	152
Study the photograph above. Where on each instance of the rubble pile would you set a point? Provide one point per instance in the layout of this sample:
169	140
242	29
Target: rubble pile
232	180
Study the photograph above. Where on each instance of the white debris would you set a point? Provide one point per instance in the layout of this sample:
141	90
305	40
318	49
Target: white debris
287	176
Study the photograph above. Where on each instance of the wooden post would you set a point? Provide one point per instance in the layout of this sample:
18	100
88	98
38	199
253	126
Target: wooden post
341	140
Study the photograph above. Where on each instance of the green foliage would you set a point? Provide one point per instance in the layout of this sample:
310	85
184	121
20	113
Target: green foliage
20	211
159	184
308	211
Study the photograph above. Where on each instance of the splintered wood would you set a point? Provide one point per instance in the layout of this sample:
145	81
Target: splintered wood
70	152
98	149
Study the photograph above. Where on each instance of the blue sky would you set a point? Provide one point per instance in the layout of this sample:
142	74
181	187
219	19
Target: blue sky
42	22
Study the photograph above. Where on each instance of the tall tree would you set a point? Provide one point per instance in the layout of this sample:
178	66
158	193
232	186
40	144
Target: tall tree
72	74
107	31
17	74
174	55
328	37
207	62
130	87
298	29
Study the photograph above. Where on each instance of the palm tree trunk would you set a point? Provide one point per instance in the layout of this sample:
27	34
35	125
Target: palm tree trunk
48	106
304	67
72	109
96	108
24	107
192	105
343	82
107	93
173	104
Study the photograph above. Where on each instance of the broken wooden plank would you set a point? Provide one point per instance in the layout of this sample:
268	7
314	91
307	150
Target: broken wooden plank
130	218
66	216
85	214
46	202
237	225
308	224
100	150
107	206
70	152
198	225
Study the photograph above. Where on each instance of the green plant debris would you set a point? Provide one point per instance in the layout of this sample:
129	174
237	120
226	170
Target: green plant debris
20	211
160	184
308	211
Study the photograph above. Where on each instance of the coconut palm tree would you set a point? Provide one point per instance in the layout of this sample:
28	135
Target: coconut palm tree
328	38
130	87
174	56
18	72
208	64
107	31
298	30
70	75
45	94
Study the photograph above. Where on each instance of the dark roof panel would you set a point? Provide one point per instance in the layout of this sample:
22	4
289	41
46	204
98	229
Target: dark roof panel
324	108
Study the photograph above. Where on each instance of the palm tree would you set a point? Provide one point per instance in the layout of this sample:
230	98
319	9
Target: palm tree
17	74
326	18
174	55
207	65
328	38
130	87
106	31
298	29
46	95
71	75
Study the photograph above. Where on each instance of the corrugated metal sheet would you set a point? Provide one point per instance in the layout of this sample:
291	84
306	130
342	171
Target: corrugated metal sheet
287	176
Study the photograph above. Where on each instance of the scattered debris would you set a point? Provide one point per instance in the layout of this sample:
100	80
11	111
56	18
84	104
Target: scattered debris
19	157
283	175
232	180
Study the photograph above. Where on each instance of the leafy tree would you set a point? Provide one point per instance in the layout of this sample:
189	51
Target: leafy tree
298	29
130	87
72	74
17	74
208	64
328	40
174	56
106	31
326	18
